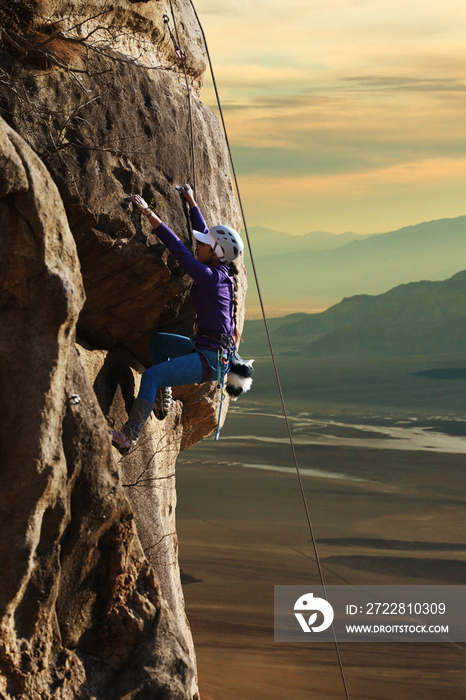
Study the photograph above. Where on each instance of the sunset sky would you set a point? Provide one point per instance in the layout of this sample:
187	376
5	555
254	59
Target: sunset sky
345	115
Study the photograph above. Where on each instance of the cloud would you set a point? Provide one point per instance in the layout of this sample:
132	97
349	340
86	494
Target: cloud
284	162
324	155
331	101
425	172
275	103
261	77
213	7
364	202
393	83
345	121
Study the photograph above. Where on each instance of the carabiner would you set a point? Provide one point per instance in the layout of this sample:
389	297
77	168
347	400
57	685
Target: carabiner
180	54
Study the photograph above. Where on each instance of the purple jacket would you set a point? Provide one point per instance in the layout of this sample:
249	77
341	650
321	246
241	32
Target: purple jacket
213	289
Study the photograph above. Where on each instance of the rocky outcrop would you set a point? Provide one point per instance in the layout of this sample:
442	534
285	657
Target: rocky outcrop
116	129
148	472
91	597
82	610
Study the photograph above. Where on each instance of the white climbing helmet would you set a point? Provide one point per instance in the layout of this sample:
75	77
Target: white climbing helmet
229	241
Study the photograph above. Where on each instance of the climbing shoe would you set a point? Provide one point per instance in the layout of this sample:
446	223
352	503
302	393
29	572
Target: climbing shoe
137	418
163	402
122	442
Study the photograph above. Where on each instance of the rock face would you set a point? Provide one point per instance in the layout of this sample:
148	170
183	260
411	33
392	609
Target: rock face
113	129
82	610
91	600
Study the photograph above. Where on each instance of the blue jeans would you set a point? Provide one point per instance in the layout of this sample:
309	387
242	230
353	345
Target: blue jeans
175	363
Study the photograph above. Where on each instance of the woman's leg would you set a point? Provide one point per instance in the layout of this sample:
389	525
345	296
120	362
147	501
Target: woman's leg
175	363
163	347
177	372
166	346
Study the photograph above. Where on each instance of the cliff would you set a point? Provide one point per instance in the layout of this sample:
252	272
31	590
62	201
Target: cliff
95	107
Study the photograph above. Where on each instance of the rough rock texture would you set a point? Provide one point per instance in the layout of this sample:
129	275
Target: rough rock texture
81	610
91	600
115	130
148	472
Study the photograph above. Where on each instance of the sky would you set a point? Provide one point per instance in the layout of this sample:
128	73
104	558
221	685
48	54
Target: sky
344	115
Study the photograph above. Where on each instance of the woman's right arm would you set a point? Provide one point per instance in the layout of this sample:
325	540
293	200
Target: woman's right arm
197	220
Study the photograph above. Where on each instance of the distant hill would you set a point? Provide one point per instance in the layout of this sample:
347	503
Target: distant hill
266	241
433	250
411	319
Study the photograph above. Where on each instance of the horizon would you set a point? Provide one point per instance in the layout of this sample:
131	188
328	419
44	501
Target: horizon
355	233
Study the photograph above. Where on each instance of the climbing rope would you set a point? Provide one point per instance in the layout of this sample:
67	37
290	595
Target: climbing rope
182	58
264	316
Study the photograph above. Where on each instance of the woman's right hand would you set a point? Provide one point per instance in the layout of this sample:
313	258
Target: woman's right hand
139	201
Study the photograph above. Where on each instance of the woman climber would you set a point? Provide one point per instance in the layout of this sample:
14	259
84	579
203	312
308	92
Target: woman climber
178	360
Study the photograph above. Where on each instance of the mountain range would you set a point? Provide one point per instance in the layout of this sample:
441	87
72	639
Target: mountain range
373	264
265	241
411	319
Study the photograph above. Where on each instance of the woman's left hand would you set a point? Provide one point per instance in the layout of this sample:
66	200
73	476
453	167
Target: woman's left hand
188	194
187	190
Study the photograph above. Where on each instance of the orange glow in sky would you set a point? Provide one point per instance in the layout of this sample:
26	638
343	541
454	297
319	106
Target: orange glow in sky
344	115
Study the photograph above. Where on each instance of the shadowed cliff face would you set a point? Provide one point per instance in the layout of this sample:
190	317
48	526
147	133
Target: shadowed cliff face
105	128
91	600
82	610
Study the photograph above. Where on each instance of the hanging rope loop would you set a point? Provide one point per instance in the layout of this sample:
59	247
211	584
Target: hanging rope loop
178	50
182	58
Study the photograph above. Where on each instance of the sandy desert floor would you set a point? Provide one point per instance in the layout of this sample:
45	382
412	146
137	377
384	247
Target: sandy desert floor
381	516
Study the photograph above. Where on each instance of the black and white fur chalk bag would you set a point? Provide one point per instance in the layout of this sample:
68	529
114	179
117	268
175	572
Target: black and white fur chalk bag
239	377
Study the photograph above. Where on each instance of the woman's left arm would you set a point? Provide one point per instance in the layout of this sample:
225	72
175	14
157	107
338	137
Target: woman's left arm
199	272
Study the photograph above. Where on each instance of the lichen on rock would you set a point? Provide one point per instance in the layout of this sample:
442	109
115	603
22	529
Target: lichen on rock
94	106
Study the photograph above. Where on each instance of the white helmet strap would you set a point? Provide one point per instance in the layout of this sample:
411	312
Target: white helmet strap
220	254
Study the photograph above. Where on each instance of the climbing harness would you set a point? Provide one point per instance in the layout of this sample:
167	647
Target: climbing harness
277	376
222	365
